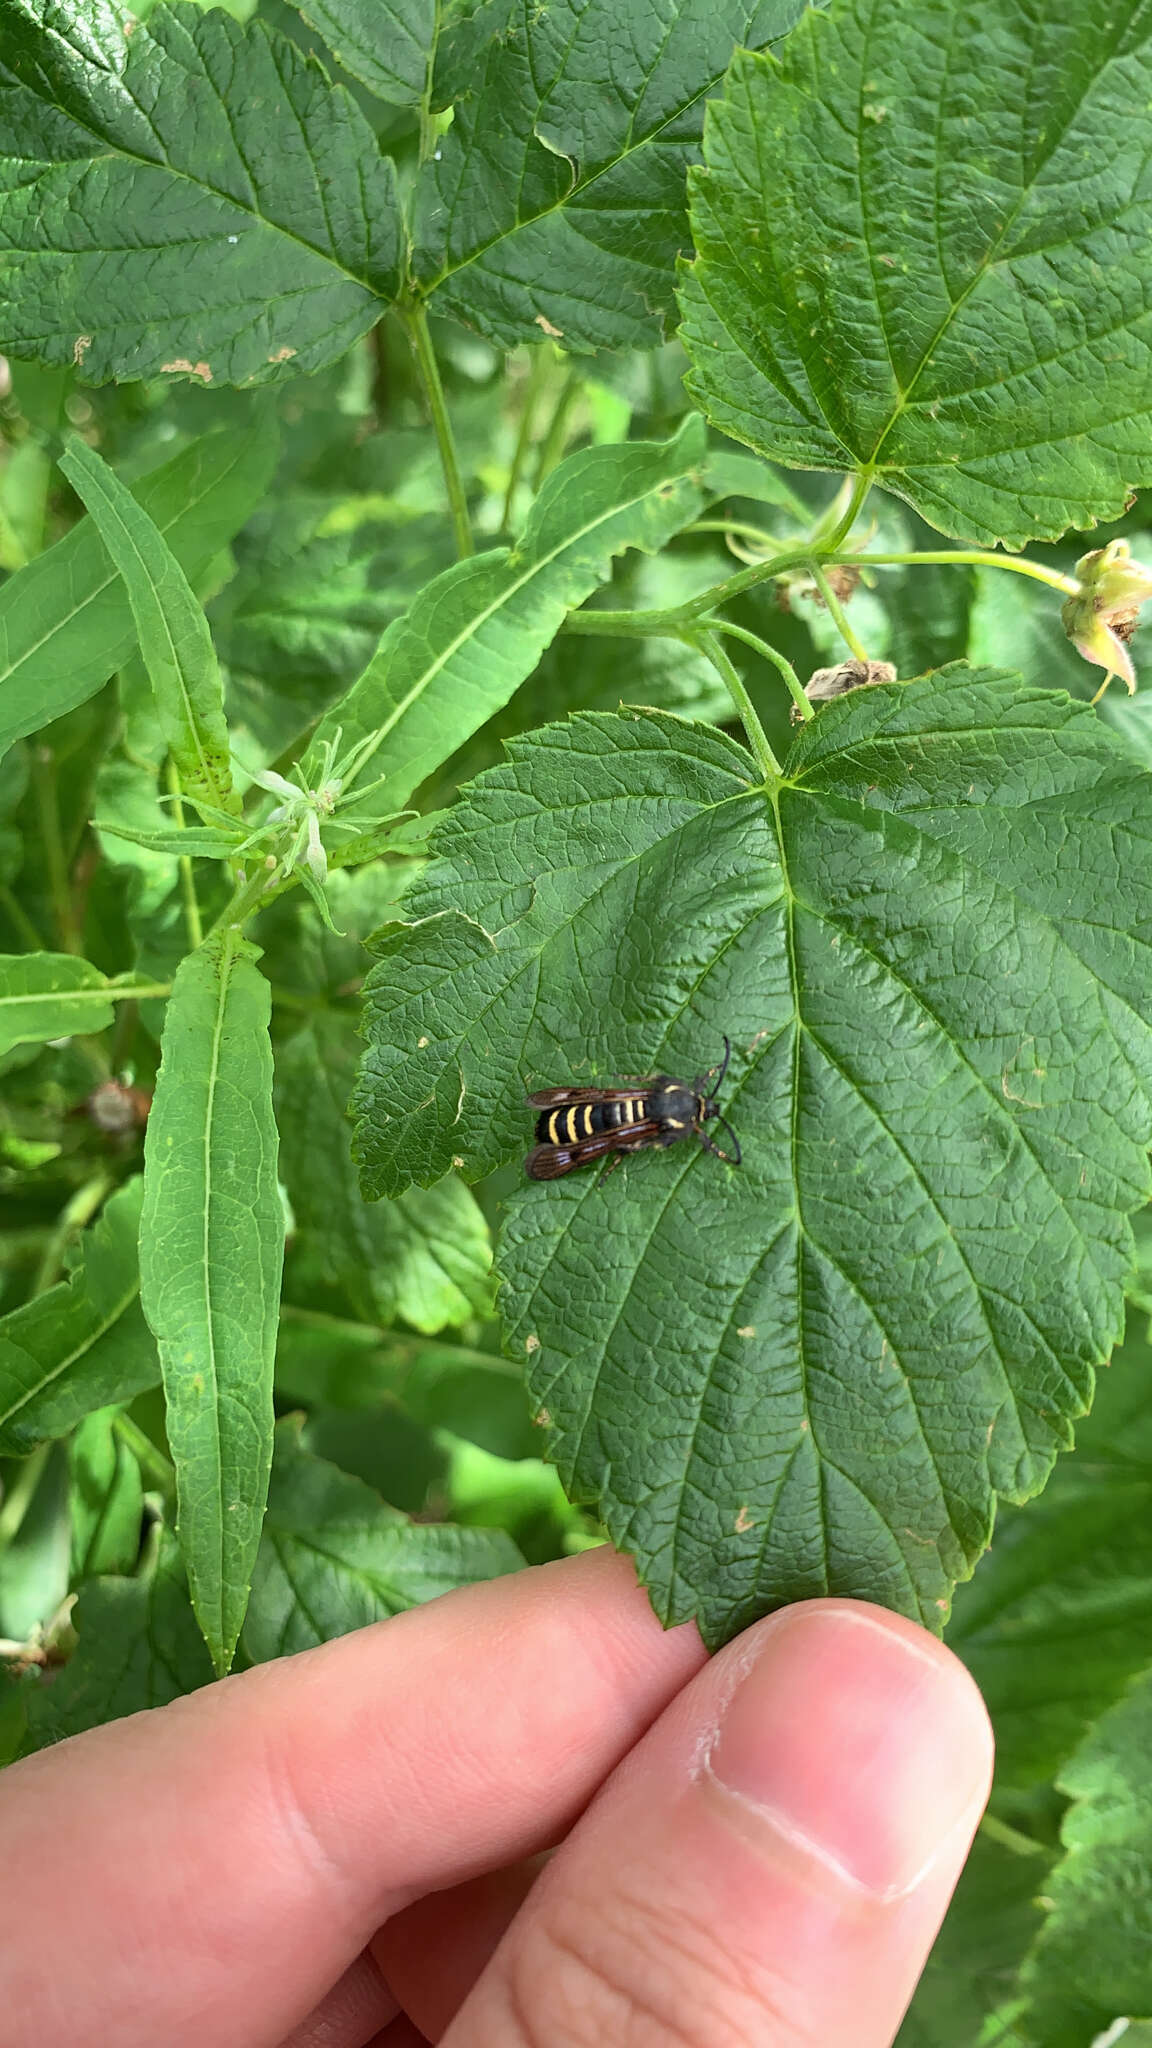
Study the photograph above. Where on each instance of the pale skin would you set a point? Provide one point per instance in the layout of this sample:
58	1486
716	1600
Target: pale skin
348	1847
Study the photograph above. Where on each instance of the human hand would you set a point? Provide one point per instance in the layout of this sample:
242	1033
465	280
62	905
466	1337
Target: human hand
335	1850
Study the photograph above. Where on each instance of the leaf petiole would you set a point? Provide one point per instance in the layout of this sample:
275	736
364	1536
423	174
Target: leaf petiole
757	738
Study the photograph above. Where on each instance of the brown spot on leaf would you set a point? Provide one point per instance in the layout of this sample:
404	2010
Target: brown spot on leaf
181	364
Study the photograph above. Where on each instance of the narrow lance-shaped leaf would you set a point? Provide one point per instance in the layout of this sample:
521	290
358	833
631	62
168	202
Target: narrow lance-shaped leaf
53	995
65	620
555	203
333	1557
927	945
195	199
210	841
211	1244
82	1344
175	643
900	274
476	631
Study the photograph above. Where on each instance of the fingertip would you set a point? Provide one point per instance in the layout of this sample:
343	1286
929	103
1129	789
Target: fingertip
863	1737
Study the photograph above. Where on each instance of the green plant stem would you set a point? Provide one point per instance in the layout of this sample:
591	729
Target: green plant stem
188	897
770	654
827	543
70	1222
979	558
428	370
250	895
18	1498
20	918
147	1454
552	445
537	377
837	614
677	619
754	731
55	859
1009	1838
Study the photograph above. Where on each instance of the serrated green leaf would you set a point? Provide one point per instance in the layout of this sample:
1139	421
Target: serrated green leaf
175	644
555	202
211	1244
194	199
477	630
333	1557
105	1498
898	276
970	1985
84	1343
50	995
1059	1616
928	949
425	1257
1093	1960
386	44
65	620
138	1647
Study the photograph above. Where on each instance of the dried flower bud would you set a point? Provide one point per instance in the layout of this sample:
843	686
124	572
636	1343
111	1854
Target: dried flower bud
849	675
1103	617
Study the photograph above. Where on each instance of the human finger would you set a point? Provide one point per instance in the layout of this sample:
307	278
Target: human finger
769	1867
229	1856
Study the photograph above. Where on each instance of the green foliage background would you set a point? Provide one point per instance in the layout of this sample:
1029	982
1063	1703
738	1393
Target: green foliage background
402	631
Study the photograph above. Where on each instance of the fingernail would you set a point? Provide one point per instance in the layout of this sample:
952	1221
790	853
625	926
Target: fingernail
862	1744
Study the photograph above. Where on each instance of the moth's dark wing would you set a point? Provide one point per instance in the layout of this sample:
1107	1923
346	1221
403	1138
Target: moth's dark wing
552	1162
551	1098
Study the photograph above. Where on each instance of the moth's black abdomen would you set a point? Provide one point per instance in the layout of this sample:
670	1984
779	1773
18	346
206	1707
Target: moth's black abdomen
570	1123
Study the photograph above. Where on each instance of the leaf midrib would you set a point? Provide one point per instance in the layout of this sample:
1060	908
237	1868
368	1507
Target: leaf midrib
992	257
92	1336
113	150
576	191
618	509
